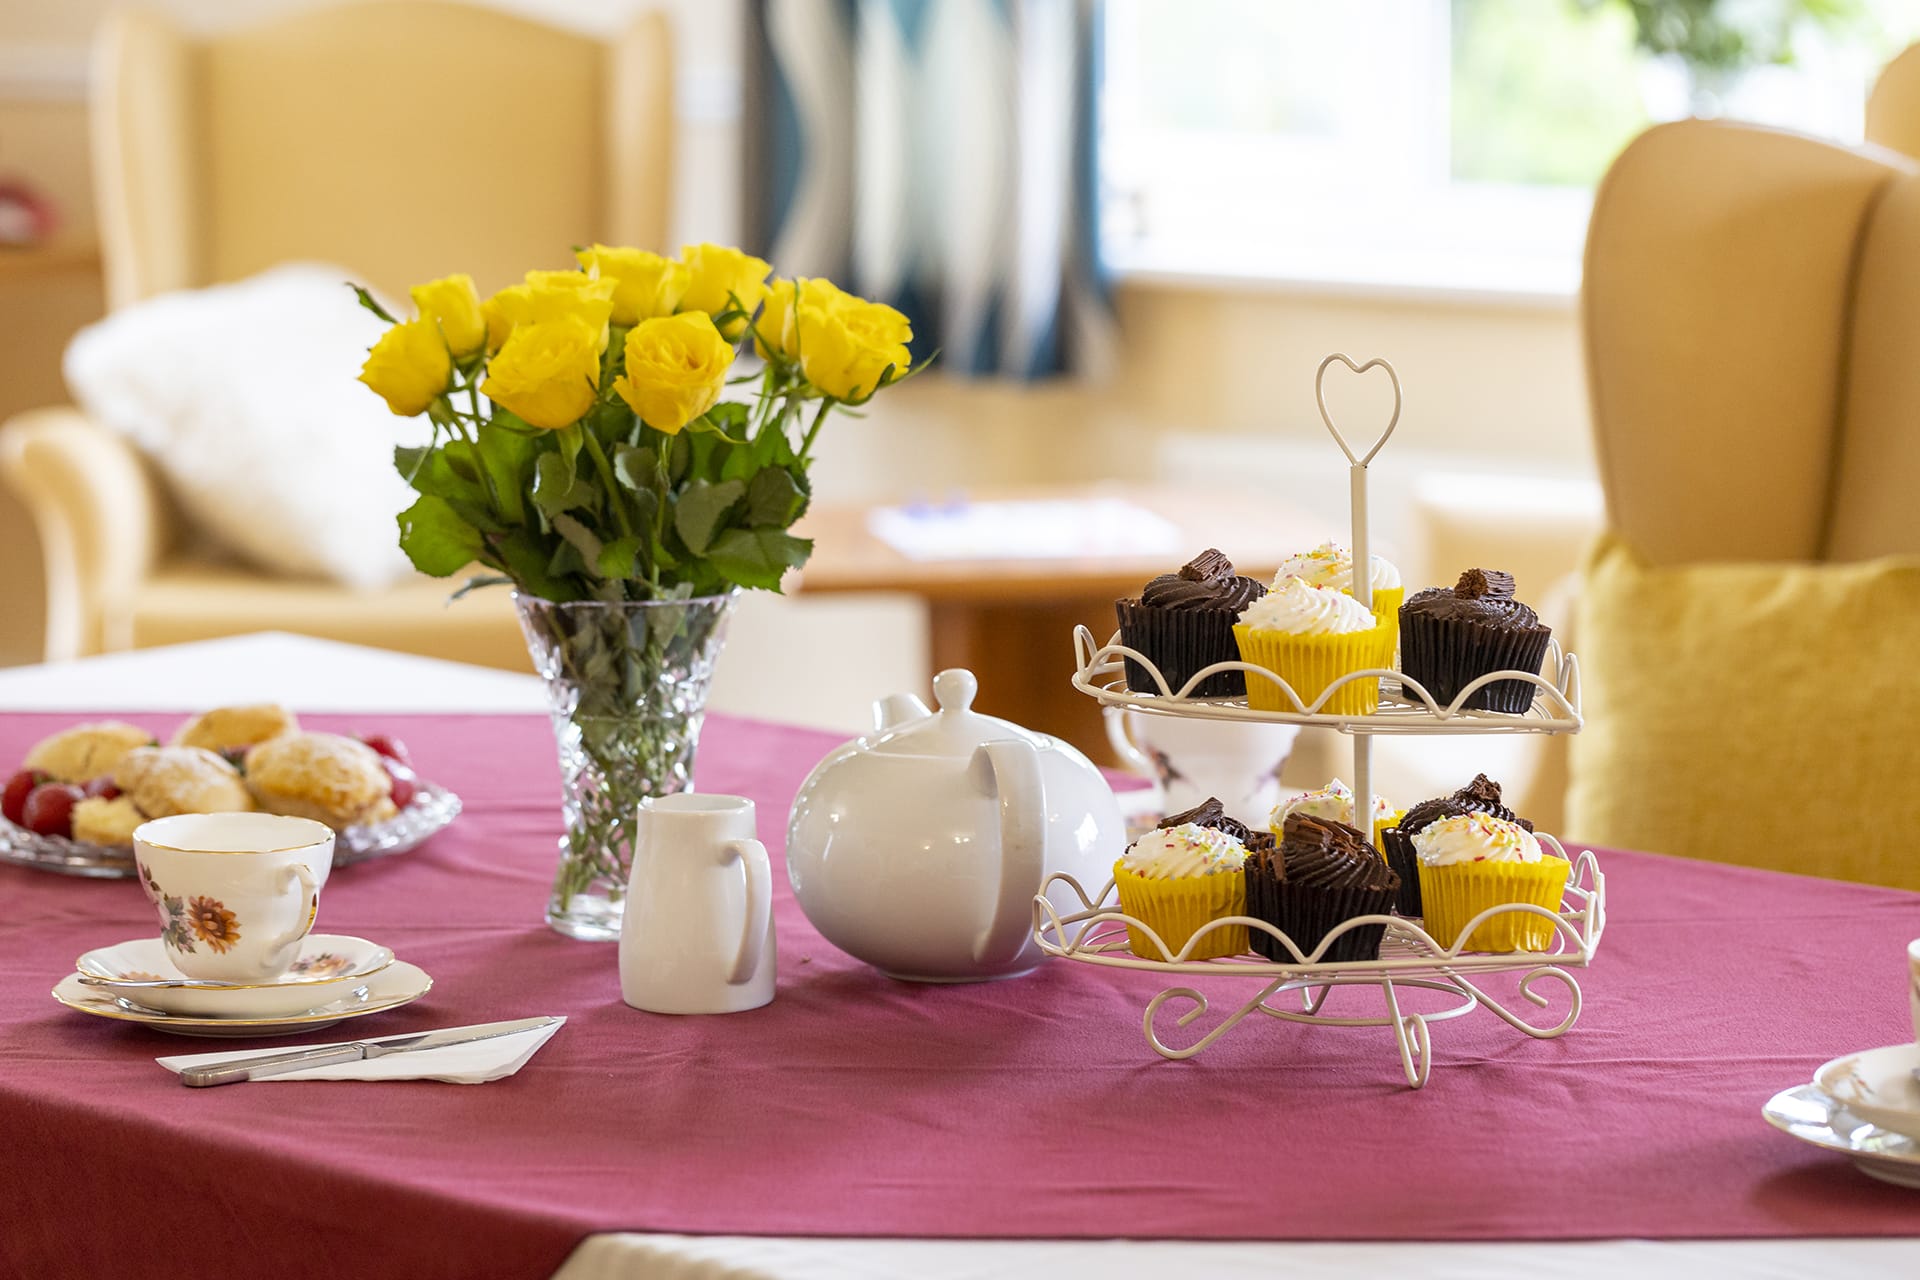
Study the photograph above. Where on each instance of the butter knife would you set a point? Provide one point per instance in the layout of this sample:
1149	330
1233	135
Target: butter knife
328	1055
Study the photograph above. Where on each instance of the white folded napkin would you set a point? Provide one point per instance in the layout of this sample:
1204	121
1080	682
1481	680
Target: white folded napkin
475	1062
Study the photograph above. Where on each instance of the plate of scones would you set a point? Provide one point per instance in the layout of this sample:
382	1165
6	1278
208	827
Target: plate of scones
74	802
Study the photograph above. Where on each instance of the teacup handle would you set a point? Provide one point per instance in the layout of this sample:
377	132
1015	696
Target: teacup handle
752	856
309	908
1125	747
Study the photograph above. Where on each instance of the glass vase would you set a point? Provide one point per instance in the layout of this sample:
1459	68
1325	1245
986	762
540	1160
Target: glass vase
627	689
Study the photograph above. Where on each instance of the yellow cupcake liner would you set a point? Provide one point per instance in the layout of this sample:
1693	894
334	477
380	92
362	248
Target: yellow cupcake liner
1311	663
1386	603
1177	909
1380	826
1453	895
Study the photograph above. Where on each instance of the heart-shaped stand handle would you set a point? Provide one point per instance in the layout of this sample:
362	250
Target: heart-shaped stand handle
1320	398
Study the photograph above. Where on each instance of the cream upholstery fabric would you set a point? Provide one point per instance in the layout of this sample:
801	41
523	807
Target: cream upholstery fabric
402	139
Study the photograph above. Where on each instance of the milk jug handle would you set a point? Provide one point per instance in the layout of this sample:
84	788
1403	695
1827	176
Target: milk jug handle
752	857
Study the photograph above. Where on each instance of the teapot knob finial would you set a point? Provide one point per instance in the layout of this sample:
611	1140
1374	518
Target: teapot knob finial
954	688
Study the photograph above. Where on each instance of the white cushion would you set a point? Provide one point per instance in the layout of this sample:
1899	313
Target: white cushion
245	398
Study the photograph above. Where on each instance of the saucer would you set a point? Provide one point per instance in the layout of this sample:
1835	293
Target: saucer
1877	1086
397	984
330	967
1812	1116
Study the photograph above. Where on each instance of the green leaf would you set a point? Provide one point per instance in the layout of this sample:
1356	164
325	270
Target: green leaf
479	580
774	499
702	510
579	535
367	301
617	557
637	469
526	556
758	557
556	488
508	456
436	539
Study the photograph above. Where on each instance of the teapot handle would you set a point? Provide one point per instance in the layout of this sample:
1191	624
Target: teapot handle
1011	770
752	856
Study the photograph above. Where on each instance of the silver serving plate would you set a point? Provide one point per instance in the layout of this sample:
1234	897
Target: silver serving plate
432	809
1812	1116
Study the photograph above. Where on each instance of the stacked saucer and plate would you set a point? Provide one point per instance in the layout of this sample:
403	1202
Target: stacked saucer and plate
334	977
1864	1105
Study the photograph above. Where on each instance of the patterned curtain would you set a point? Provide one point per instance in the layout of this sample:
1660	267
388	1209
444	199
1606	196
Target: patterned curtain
938	155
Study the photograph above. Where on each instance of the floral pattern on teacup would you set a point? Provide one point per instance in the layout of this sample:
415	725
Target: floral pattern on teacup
186	922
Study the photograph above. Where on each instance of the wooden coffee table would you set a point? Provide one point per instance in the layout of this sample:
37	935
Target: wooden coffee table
1010	620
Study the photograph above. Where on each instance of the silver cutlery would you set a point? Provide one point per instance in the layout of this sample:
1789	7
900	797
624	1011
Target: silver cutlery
354	1051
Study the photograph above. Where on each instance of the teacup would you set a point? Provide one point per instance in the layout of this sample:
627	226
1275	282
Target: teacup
236	892
1237	762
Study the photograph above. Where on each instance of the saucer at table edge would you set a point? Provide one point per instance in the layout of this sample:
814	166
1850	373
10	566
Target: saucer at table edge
1878	1086
398	984
1811	1116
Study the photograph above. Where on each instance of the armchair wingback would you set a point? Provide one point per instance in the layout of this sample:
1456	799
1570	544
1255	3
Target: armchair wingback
402	139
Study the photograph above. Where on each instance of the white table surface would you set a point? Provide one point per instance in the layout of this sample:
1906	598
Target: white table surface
319	675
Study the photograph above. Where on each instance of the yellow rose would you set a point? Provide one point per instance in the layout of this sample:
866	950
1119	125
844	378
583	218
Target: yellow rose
545	297
846	345
676	367
451	303
645	284
778	322
409	367
721	275
547	372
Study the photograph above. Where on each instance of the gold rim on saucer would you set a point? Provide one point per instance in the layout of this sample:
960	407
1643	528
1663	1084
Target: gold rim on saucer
101	1005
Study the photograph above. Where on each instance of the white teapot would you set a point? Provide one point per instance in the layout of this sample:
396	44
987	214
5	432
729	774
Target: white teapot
919	847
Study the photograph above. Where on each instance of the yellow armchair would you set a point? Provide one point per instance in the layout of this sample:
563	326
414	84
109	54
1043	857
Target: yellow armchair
402	139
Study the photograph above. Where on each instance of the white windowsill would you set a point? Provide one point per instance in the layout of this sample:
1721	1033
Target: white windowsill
1452	280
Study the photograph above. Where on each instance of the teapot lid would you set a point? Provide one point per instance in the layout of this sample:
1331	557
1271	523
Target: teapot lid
956	728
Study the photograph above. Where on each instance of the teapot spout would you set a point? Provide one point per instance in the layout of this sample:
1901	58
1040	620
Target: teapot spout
897	709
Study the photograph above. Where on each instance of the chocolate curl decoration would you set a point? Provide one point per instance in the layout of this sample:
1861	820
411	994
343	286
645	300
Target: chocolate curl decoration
1208	566
1475	583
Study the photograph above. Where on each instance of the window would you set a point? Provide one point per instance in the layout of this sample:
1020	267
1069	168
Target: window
1418	144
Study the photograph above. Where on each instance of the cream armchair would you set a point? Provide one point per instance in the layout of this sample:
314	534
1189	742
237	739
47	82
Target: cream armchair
400	139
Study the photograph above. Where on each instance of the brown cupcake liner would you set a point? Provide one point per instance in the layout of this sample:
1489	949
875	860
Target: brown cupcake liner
1180	642
1448	655
1397	845
1308	913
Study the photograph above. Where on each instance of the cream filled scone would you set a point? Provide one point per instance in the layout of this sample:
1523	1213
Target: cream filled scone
323	776
86	751
163	781
101	821
230	728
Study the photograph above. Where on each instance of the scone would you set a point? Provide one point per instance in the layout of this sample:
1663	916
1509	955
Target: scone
163	781
99	821
86	751
323	776
227	728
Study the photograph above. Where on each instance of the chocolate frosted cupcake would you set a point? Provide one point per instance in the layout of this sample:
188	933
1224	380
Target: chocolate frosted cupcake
1451	636
1317	876
1209	813
1482	795
1184	621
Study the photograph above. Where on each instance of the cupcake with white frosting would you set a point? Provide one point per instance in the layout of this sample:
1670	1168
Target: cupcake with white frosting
1176	880
1473	861
1331	803
1310	637
1331	565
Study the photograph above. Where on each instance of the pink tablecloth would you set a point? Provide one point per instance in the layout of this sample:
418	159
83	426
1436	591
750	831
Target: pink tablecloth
860	1106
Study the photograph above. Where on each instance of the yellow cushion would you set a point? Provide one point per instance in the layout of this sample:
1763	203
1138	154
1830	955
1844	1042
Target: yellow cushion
193	600
1761	714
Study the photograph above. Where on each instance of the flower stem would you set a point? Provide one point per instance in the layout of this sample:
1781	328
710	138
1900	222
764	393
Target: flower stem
606	477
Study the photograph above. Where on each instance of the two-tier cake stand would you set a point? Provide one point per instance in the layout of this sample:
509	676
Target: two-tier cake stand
1412	965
